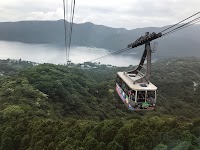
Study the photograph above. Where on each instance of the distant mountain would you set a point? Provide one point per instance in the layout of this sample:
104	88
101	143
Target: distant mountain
181	43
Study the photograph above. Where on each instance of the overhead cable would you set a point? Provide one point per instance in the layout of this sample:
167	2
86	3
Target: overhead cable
71	24
180	22
65	27
112	53
194	21
182	27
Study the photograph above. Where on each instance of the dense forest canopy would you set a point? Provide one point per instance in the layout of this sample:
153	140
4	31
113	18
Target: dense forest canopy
55	107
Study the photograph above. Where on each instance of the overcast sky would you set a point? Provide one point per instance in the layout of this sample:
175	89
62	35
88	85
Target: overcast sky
128	14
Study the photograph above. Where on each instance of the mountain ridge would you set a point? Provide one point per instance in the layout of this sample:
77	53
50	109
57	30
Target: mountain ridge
182	43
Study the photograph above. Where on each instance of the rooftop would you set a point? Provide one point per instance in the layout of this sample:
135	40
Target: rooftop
129	79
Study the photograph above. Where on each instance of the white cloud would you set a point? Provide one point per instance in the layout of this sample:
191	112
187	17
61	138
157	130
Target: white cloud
49	15
115	13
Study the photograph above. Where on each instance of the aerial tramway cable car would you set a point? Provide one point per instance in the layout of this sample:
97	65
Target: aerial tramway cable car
134	87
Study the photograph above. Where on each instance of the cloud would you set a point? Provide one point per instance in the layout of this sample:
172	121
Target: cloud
136	13
48	15
114	13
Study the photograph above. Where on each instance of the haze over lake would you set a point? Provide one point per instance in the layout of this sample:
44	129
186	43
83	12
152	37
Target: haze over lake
48	53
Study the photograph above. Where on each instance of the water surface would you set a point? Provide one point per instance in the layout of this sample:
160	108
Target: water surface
48	53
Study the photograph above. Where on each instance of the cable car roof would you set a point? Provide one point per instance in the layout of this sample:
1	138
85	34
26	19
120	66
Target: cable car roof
129	80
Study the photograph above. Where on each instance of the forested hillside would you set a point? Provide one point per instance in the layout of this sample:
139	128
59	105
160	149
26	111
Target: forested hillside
56	107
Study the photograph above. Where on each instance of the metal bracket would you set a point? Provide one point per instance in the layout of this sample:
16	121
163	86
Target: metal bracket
143	77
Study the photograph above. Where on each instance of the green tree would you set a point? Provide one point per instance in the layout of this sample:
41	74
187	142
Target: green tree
114	146
160	147
90	142
182	146
7	144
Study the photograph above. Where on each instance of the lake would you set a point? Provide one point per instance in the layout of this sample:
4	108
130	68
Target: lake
49	53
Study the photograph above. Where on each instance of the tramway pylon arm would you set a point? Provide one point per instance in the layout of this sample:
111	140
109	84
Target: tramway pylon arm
144	39
144	77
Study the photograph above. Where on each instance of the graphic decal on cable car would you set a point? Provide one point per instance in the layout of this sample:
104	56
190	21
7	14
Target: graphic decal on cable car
121	93
139	103
123	96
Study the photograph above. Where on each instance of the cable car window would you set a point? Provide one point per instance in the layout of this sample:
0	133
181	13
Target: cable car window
119	81
141	96
123	85
132	95
151	96
125	89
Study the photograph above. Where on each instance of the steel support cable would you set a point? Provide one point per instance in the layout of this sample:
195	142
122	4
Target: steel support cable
137	43
180	22
70	18
71	7
71	26
68	27
112	53
119	51
183	26
65	27
176	29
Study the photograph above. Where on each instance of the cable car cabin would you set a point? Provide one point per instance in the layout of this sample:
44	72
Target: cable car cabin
136	96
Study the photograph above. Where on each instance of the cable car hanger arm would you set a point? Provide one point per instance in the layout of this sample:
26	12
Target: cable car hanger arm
144	39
